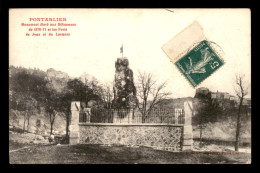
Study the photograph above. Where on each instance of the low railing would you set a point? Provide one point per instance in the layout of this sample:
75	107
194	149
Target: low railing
157	116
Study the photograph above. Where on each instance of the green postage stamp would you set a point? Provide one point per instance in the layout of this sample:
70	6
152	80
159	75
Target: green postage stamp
199	63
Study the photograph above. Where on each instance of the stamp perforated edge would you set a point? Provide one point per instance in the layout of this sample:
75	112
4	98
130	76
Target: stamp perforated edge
187	51
189	48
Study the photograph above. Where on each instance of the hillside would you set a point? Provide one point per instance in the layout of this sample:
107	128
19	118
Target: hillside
224	130
221	127
179	103
16	120
30	92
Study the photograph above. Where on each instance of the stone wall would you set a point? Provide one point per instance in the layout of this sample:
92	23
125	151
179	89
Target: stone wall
158	136
174	137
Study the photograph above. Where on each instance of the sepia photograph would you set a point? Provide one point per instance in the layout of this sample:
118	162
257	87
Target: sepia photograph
129	86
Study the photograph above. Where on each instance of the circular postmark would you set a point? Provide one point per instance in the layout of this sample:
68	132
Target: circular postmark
217	48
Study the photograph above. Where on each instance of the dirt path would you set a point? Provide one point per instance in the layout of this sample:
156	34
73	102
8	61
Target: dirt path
18	149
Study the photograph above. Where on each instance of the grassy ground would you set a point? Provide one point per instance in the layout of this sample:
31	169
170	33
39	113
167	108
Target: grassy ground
29	148
224	130
97	154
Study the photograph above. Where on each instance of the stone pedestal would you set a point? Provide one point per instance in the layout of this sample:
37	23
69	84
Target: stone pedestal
87	111
126	120
74	124
187	129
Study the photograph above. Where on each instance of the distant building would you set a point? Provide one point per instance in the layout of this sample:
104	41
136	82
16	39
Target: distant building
213	95
202	92
247	102
223	99
232	97
226	96
220	95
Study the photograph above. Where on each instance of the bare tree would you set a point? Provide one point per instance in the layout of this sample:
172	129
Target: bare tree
52	106
149	92
38	125
29	104
207	111
241	90
15	119
107	95
52	115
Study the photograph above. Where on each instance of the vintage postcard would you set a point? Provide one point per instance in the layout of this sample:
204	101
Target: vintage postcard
129	86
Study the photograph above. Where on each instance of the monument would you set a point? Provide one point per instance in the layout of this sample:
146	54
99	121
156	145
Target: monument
124	88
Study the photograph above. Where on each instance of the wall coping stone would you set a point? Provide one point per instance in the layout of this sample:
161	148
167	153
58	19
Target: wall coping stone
127	124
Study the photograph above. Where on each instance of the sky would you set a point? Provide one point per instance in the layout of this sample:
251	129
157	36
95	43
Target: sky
94	43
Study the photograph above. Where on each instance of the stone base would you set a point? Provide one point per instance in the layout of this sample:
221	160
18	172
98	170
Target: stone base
188	142
187	148
187	136
74	141
74	134
74	138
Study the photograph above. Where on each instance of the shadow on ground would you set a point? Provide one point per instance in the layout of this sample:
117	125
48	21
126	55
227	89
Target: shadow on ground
100	154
